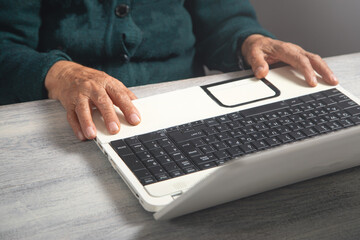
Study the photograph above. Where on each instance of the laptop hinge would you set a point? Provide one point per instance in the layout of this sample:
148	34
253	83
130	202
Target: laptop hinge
176	195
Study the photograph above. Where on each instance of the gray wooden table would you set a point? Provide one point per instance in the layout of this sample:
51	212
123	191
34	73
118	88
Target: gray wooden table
53	186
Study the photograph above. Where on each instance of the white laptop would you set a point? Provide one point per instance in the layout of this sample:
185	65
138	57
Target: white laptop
207	145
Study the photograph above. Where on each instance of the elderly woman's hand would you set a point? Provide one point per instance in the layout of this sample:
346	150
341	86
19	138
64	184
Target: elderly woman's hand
79	88
260	51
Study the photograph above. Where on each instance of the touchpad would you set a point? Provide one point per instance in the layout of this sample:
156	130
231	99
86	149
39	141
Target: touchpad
236	92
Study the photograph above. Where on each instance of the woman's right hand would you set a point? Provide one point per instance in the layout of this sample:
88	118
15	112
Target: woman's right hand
79	88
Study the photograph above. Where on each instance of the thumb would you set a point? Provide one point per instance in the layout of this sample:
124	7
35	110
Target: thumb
258	64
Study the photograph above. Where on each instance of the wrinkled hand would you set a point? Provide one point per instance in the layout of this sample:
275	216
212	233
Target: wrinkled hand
80	88
260	51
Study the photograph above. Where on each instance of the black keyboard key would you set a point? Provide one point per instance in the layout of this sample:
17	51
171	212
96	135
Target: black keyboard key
171	149
162	176
132	162
347	104
318	95
198	142
177	156
164	159
206	149
298	135
190	169
339	98
258	136
157	152
156	170
148	137
152	145
184	163
346	122
183	137
235	151
150	163
331	92
138	148
234	125
260	144
283	129
121	147
322	128
248	148
233	142
207	165
294	101
148	180
144	155
274	141
142	173
220	162
176	173
223	136
272	133
309	132
356	119
234	116
210	131
169	167
223	119
221	154
204	158
306	98
220	146
222	128
353	111
211	122
263	109
210	139
164	142
132	141
333	125
285	138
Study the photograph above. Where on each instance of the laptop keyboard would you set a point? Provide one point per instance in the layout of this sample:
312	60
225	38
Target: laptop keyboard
203	144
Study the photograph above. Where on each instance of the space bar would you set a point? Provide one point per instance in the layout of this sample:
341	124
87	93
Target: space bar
265	108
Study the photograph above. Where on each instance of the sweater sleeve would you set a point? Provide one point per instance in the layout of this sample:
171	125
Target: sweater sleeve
22	68
221	26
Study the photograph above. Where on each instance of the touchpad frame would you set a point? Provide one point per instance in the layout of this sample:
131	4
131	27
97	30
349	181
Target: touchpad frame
240	91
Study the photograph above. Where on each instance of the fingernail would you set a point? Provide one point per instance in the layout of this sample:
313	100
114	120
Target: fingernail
90	133
314	81
334	79
113	127
258	70
134	118
80	136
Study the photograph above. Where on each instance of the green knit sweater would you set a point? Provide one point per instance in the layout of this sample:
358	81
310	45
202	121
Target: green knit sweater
136	41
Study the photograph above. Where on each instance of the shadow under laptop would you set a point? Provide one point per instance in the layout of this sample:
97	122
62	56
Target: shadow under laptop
318	208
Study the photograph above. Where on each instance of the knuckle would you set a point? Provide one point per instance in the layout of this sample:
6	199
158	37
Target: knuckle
80	107
103	100
70	117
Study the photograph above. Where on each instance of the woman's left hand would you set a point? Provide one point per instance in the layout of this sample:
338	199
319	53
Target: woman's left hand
260	51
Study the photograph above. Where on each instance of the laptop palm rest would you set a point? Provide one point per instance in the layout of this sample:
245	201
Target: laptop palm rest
267	170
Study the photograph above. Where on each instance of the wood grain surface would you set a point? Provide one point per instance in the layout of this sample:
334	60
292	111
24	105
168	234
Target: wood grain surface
53	186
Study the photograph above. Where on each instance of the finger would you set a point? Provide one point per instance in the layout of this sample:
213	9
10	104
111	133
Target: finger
75	125
83	113
256	59
120	97
103	102
322	68
296	58
131	95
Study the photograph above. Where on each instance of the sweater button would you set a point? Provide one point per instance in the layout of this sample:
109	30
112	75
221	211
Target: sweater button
122	10
125	58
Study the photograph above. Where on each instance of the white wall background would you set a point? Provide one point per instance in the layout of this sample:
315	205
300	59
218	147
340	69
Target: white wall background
327	27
